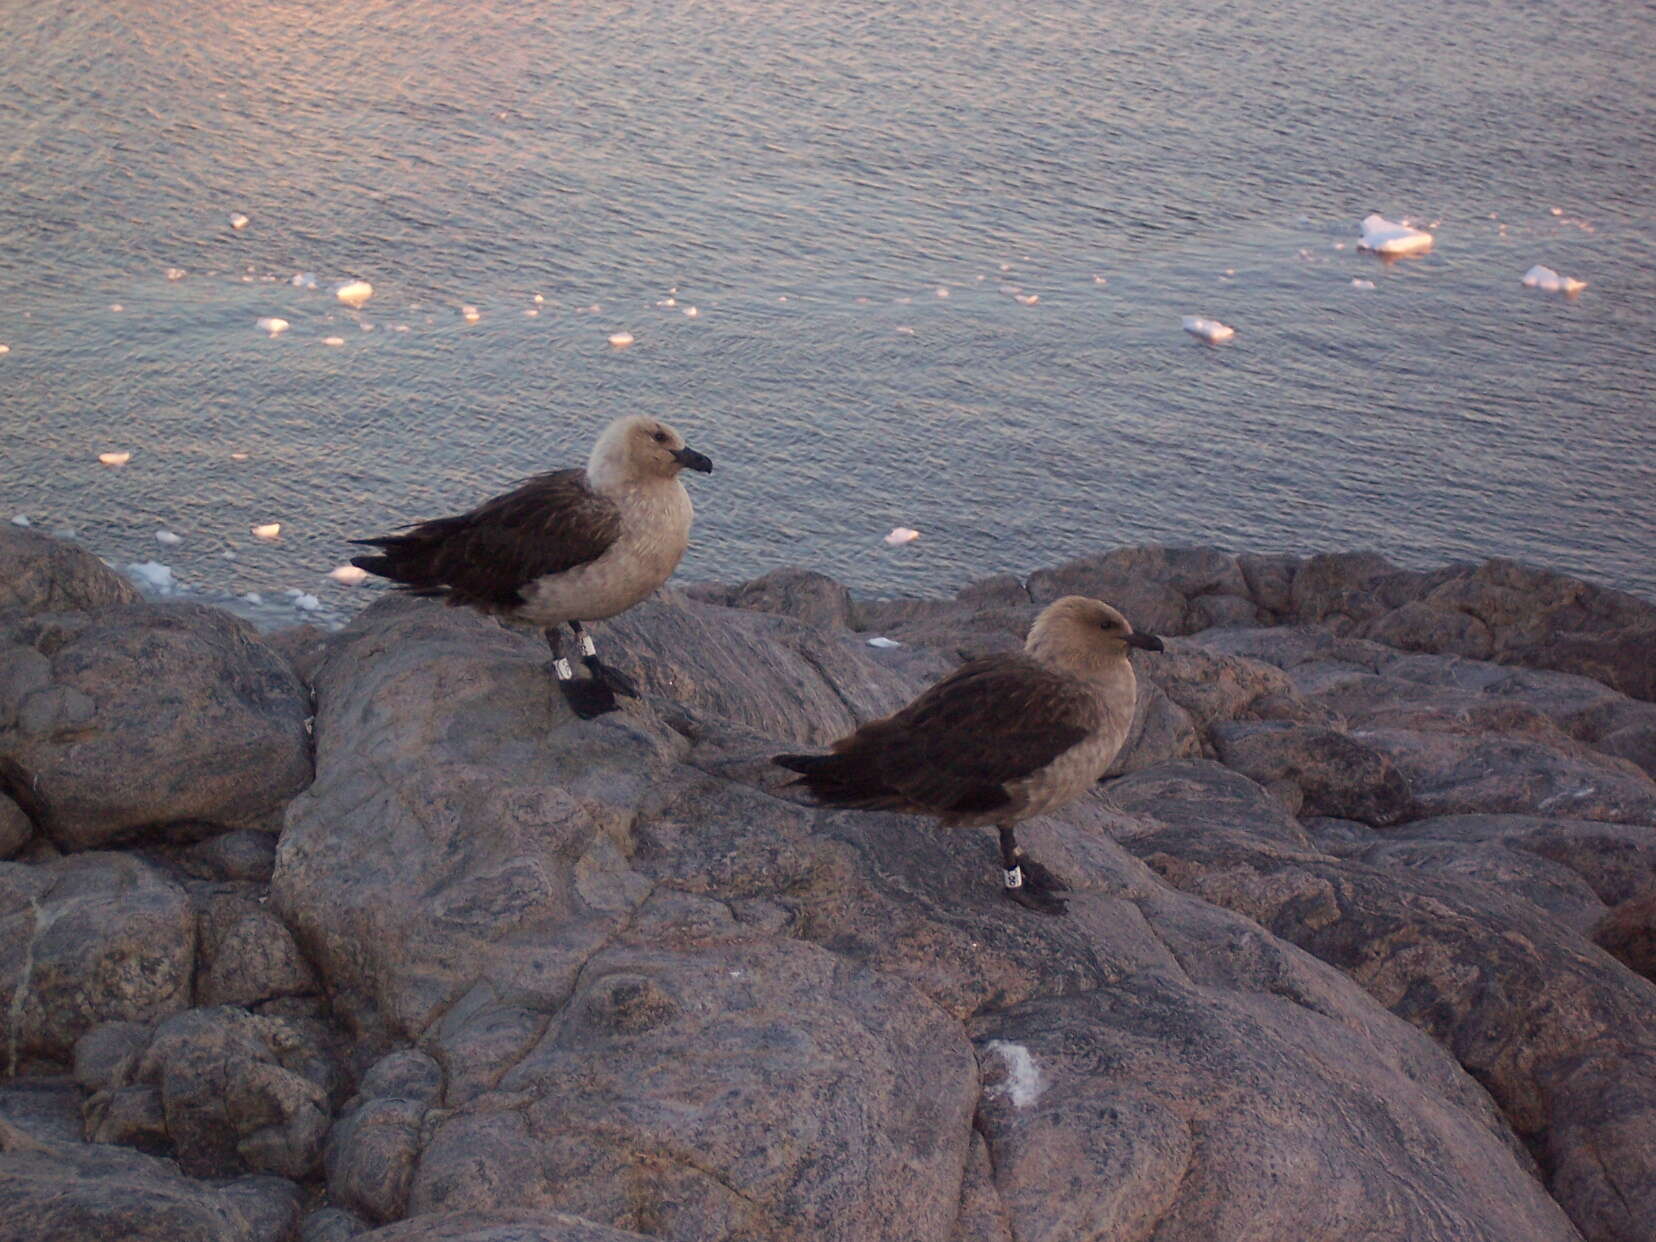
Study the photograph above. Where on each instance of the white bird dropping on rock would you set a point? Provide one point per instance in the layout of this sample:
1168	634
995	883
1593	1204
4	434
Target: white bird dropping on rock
273	325
238	221
354	293
269	530
167	537
621	339
1539	277
350	575
902	535
883	642
1385	237
21	519
119	458
1210	330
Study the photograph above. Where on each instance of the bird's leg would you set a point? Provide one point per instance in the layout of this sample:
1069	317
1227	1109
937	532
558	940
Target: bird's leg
587	698
614	678
1026	881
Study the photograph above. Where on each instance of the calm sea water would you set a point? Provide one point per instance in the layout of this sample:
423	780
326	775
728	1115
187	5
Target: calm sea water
814	178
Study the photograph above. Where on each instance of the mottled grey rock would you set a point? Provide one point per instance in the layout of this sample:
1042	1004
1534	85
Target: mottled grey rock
47	1108
802	594
331	1224
15	827
1156	588
242	854
1335	774
376	1141
151	715
84	940
1628	933
42	574
500	1225
246	955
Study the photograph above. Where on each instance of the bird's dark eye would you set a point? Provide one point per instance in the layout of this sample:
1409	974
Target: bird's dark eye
660	437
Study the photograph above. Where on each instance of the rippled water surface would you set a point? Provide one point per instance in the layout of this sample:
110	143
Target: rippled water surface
940	255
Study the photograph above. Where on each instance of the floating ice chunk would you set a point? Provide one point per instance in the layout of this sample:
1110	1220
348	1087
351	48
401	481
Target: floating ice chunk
1023	1083
365	326
272	324
399	327
117	307
268	530
350	575
1386	237
902	535
470	314
354	293
228	555
239	221
1027	299
941	291
621	339
303	280
1557	211
175	273
1210	330
1539	277
5	349
119	458
1101	280
883	643
306	603
531	312
238	456
667	303
21	519
253	597
1357	282
333	340
155	575
537	299
904	330
167	538
690	312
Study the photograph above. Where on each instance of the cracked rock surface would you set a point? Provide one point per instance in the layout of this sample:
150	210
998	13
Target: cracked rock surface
1358	942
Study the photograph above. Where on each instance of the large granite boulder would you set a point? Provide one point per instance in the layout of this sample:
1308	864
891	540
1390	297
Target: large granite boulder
41	574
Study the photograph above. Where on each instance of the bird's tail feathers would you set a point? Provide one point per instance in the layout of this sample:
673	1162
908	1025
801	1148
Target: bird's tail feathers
840	780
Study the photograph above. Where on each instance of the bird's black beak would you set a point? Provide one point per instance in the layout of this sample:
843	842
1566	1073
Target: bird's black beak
1143	641
692	460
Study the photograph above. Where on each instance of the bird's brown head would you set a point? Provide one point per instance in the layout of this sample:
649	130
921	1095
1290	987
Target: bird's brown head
638	448
1084	635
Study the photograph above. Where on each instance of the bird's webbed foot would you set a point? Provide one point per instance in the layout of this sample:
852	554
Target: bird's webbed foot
588	697
614	678
1034	887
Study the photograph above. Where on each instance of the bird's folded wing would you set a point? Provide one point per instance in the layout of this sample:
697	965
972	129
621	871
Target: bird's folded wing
991	722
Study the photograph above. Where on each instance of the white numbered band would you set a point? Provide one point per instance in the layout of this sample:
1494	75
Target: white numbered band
563	670
1014	878
587	649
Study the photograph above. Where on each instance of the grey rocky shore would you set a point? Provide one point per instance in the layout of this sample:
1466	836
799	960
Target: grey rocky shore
319	936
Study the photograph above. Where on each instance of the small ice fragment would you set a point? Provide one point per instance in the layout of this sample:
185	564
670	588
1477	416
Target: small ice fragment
1557	211
667	303
1357	282
5	349
354	293
883	642
238	456
1210	330
621	339
350	575
119	458
942	292
903	301
154	575
537	299
399	327
167	537
228	555
1339	245
1539	277
470	314
1026	299
1386	237
269	530
253	597
175	273
333	340
306	603
901	535
117	307
1006	267
238	221
1101	280
272	324
530	312
21	519
905	330
365	326
690	312
304	280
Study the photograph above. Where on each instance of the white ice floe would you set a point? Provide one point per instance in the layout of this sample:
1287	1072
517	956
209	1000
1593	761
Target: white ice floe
1210	330
941	291
904	330
268	530
667	303
354	293
690	312
167	538
1023	1083
117	307
306	603
333	340
304	280
119	458
272	324
1027	299
531	312
621	339
1357	282
470	314
1387	237
350	575
1101	280
883	642
5	349
238	221
238	456
21	519
175	273
901	535
1539	277
155	575
253	597
538	299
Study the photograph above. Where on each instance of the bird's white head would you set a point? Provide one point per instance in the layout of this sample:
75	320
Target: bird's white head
1085	636
638	449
